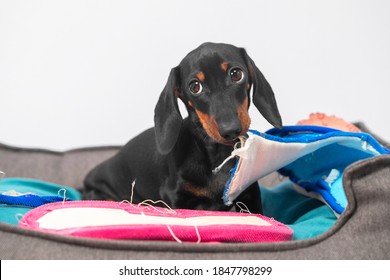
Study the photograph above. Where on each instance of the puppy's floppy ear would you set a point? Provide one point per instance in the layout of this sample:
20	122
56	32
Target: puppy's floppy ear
167	117
263	96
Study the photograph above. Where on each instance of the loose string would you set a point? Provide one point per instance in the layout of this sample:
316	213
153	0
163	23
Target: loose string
173	235
243	207
197	234
2	175
132	191
19	217
148	202
168	209
218	168
242	142
177	239
64	195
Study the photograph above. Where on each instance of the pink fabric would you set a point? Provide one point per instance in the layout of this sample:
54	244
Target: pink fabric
229	232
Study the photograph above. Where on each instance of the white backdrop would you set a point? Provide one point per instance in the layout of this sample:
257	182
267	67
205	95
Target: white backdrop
80	73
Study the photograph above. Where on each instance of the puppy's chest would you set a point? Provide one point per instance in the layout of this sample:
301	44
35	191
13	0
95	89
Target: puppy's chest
200	181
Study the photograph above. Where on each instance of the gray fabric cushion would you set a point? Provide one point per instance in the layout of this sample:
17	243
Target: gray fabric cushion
64	168
362	232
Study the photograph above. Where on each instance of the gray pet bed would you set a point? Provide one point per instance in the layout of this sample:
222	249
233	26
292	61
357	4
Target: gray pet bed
361	232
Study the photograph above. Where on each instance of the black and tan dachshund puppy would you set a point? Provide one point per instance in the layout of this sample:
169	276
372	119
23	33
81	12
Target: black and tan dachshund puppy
174	160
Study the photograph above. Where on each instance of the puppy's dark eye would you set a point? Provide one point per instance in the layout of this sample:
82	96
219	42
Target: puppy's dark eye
237	75
196	87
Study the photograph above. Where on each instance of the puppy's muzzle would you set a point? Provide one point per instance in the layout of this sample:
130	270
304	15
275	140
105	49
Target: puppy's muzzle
230	130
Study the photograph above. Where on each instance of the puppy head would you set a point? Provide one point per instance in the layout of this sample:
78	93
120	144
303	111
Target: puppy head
214	82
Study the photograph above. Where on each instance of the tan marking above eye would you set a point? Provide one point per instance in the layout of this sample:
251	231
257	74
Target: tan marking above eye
200	76
224	66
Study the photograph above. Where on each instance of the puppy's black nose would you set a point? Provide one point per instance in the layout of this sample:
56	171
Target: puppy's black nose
230	131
